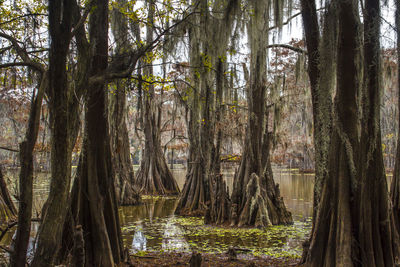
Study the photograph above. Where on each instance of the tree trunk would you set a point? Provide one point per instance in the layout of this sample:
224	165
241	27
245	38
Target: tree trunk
378	238
218	211
204	184
193	198
195	193
153	177
7	208
54	212
124	175
120	145
18	256
354	226
94	192
321	69
74	112
206	55
256	200
395	186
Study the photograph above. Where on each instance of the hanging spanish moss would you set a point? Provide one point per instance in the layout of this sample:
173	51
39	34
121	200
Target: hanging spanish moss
202	183
256	200
153	176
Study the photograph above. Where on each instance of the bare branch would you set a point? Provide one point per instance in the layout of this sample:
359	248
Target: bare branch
9	149
23	53
291	18
4	231
22	16
4	49
293	48
112	73
18	64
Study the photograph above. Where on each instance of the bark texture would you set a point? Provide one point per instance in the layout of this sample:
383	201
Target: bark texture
321	70
94	204
218	211
354	225
54	212
195	193
76	92
395	186
124	176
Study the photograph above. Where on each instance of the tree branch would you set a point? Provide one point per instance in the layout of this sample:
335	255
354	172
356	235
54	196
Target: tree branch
293	48
18	64
290	18
9	149
22	53
4	231
4	49
116	72
20	17
83	18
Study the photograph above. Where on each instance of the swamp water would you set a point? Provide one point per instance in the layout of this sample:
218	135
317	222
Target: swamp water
152	226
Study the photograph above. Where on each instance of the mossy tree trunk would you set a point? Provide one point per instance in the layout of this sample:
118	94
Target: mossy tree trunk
256	200
195	194
321	72
153	177
120	145
218	209
354	225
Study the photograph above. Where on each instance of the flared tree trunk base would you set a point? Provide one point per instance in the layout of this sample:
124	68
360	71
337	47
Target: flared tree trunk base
193	198
260	207
127	195
218	212
262	204
154	177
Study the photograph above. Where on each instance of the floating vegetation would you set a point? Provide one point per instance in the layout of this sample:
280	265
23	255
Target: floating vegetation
184	234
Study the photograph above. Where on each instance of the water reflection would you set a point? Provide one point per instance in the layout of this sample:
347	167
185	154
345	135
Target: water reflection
173	238
149	225
297	191
151	208
139	240
153	225
296	188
